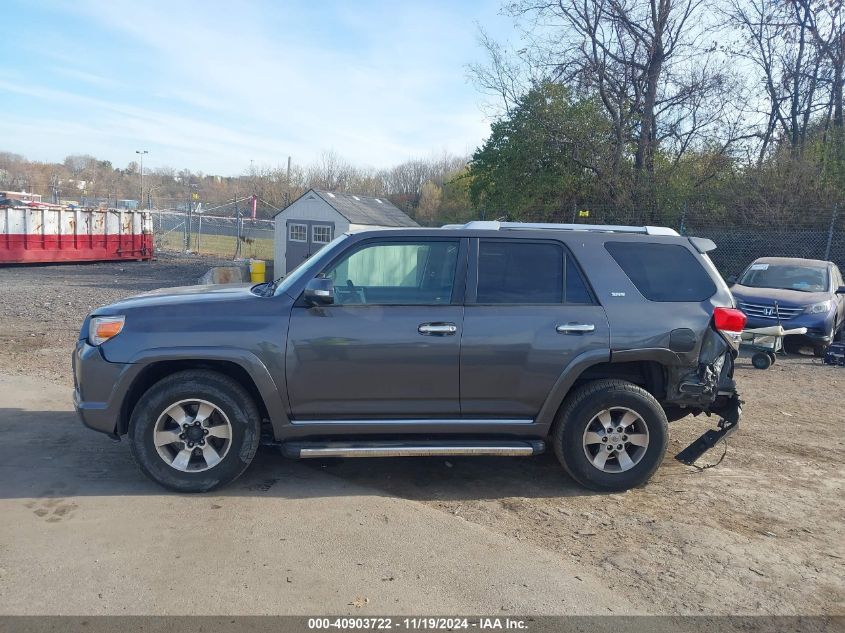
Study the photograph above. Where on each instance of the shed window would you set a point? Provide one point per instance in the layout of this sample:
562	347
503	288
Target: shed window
298	232
321	234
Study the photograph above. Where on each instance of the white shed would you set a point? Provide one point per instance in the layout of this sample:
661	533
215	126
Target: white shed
316	217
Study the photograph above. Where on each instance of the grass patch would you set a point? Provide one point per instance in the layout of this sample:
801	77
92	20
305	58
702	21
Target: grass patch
222	246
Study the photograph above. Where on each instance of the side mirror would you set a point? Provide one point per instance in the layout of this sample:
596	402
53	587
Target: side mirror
840	290
319	291
731	280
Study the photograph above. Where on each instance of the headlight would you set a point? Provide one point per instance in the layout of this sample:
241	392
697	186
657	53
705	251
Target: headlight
101	329
819	308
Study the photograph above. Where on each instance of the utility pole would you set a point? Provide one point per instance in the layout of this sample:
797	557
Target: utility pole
141	153
54	187
194	195
287	192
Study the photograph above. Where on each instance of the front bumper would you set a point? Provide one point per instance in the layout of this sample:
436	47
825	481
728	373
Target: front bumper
818	326
95	381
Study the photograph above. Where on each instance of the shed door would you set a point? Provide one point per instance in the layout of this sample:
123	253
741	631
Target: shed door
304	238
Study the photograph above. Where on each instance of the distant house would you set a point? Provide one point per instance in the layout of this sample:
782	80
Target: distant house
316	217
20	196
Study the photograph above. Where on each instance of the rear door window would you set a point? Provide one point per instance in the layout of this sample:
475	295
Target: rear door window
523	272
577	290
663	272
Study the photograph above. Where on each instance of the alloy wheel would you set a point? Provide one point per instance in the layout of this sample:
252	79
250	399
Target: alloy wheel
615	440
192	435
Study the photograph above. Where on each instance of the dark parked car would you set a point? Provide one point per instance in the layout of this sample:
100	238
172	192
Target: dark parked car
797	293
485	339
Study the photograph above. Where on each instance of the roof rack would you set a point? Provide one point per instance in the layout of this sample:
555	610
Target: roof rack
486	225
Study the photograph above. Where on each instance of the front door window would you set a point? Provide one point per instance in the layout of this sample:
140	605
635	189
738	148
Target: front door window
397	273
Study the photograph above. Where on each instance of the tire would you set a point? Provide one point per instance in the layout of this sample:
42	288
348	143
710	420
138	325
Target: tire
792	344
820	350
761	360
772	357
229	434
580	415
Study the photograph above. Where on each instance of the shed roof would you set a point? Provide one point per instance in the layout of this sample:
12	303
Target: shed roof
362	209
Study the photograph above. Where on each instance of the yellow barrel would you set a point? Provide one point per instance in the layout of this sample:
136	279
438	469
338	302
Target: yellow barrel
257	270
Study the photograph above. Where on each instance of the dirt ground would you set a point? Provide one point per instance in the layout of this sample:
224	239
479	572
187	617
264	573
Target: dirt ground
760	533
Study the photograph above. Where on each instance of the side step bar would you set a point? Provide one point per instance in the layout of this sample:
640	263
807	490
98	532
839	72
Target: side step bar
306	450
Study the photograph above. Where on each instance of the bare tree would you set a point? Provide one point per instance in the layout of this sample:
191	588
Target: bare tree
776	37
662	84
826	21
505	75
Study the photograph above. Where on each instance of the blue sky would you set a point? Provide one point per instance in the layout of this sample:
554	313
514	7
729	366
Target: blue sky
212	85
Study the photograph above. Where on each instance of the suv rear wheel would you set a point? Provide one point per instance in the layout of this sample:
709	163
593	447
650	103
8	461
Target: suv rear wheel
194	431
610	435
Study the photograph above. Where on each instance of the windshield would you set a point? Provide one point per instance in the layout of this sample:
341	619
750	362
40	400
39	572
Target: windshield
786	277
282	284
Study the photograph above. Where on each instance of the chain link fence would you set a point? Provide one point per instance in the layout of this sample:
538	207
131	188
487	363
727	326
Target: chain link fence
219	236
815	235
806	233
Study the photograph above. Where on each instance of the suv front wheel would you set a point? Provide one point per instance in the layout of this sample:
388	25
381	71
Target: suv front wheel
194	431
610	435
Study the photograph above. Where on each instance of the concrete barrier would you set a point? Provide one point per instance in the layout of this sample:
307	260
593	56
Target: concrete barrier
225	275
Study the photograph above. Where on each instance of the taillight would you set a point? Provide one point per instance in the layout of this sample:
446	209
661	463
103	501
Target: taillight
729	319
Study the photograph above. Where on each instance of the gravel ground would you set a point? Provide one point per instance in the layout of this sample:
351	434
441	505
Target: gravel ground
44	305
758	534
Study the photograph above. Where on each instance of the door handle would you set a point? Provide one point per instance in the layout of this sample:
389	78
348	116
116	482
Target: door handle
441	329
575	328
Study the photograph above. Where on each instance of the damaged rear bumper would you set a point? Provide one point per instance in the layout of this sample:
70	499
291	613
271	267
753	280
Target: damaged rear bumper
727	425
711	389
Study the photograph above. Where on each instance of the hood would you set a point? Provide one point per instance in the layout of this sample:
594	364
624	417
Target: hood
180	296
770	295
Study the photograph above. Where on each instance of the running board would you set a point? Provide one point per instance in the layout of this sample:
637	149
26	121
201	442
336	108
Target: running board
308	450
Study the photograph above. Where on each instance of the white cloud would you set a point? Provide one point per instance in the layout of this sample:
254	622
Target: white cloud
214	85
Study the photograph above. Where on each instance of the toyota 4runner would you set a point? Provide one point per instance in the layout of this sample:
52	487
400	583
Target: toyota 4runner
482	339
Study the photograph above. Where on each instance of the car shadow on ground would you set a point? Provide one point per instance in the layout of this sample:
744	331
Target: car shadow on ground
50	454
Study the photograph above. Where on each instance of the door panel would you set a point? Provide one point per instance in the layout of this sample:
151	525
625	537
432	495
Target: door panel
389	346
372	361
512	355
529	313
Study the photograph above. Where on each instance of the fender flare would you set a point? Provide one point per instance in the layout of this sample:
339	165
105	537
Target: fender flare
564	382
273	397
582	362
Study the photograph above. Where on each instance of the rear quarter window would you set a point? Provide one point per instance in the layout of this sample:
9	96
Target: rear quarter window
663	272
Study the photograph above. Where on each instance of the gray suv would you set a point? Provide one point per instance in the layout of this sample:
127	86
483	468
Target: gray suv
482	339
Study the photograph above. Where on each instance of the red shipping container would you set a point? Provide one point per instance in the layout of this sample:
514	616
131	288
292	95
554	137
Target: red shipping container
51	234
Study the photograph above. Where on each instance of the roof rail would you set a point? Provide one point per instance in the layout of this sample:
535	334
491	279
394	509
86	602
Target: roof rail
487	225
